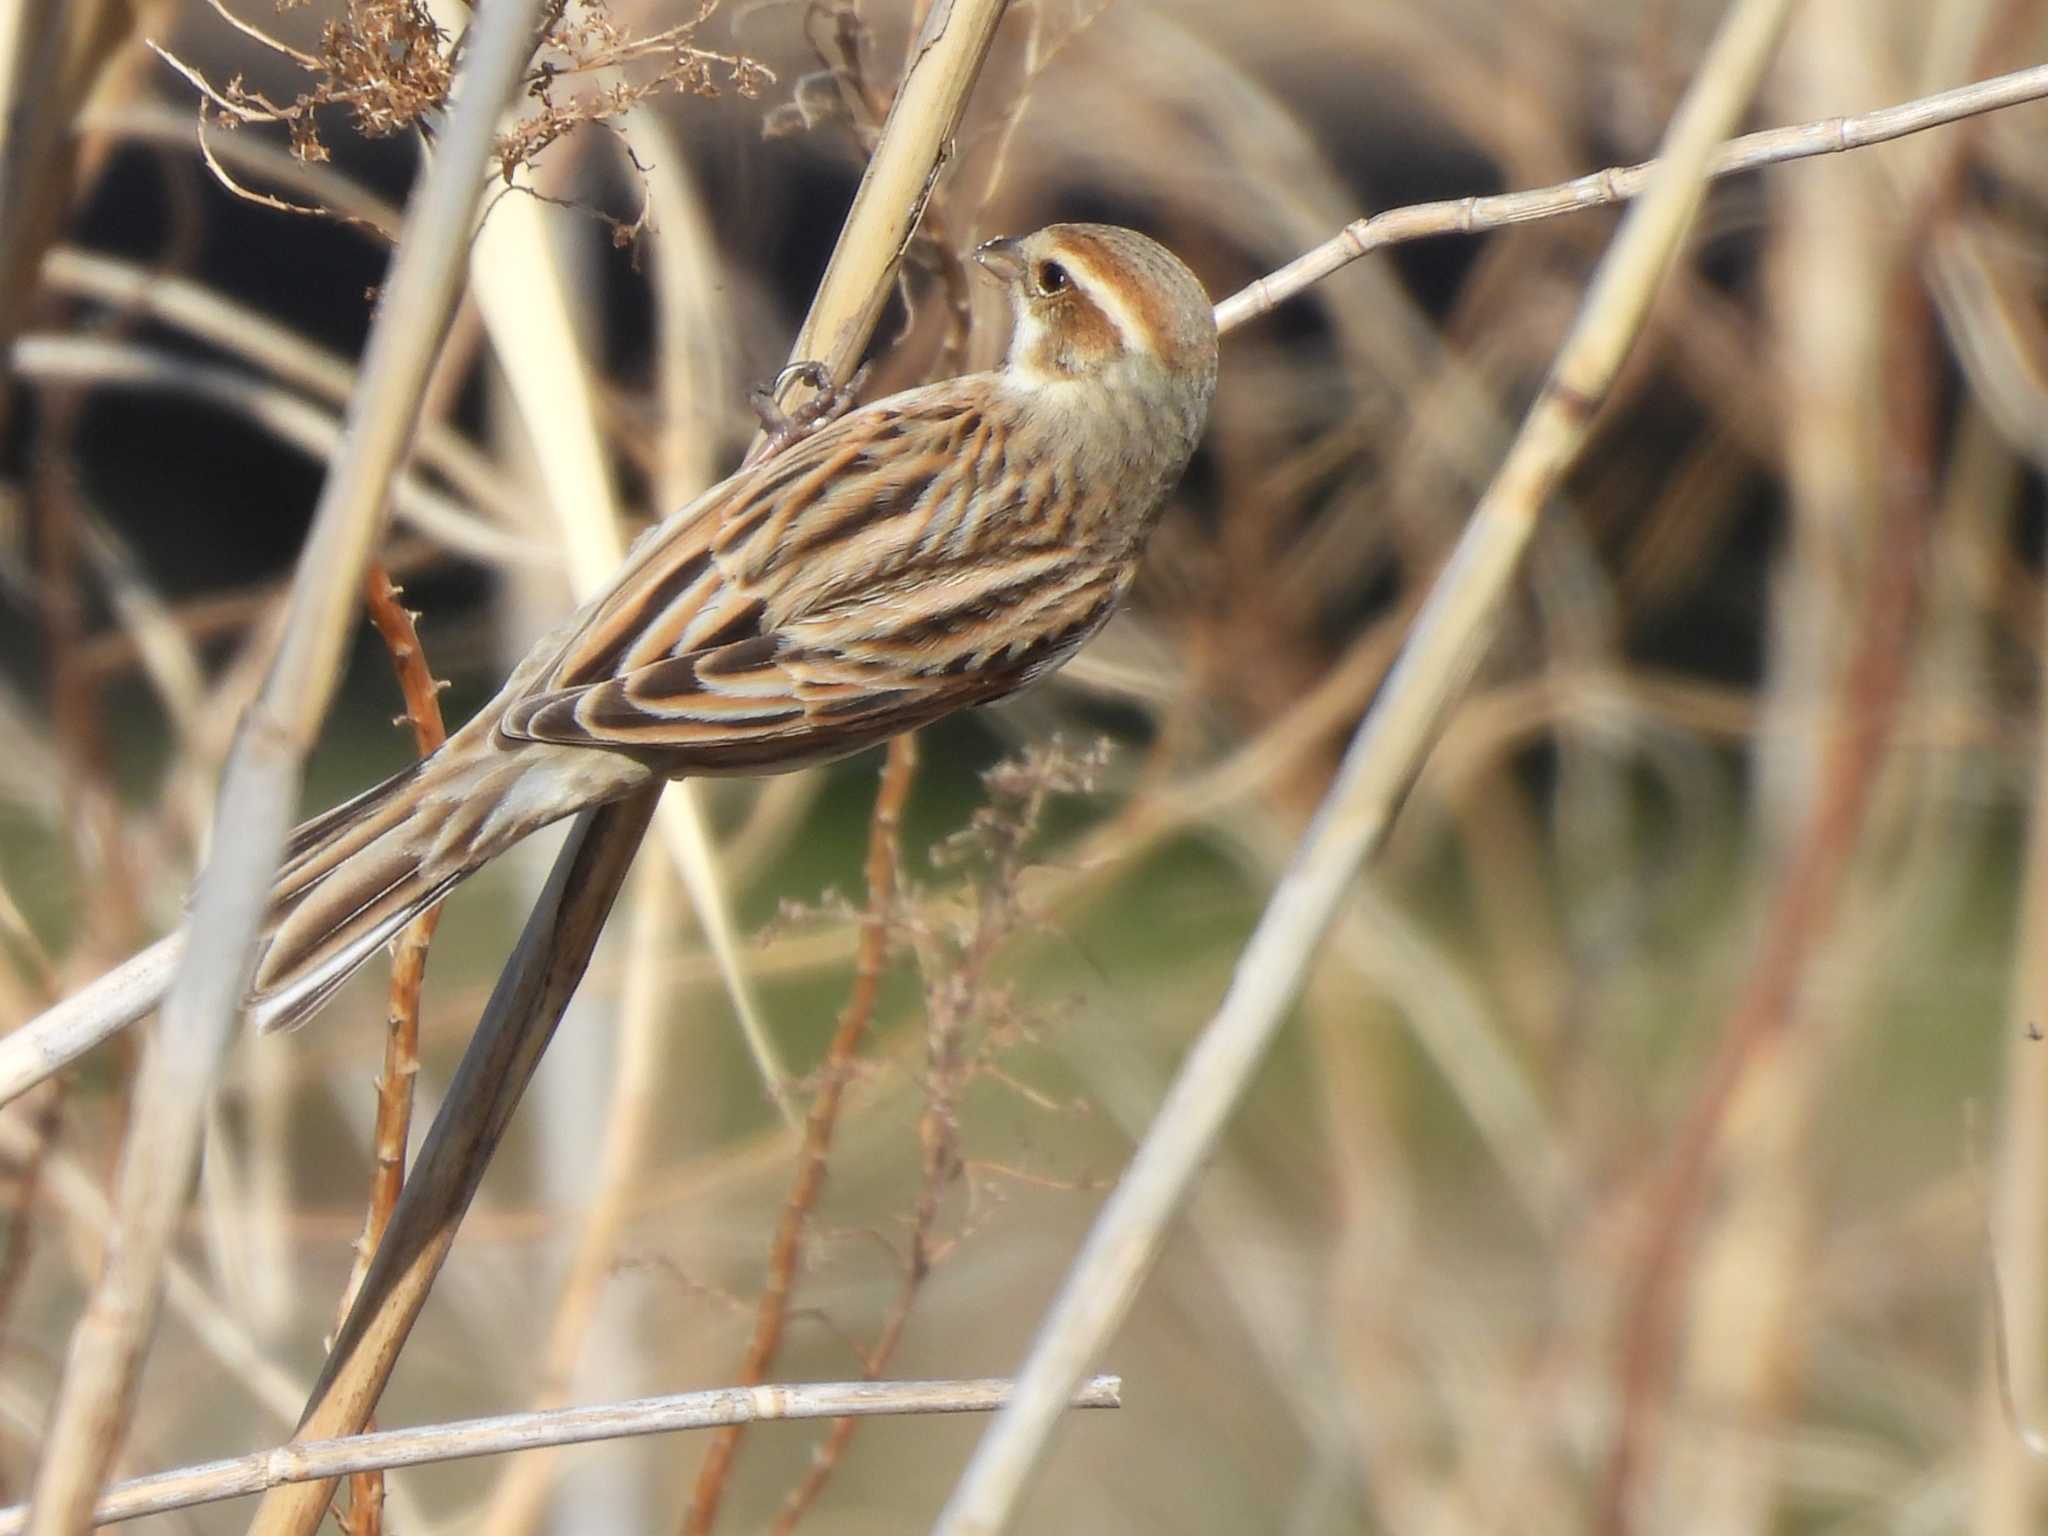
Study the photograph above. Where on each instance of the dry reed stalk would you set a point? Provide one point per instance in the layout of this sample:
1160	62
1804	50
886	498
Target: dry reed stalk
856	1018
697	376
302	1461
128	992
1378	769
261	783
636	1102
1834	797
527	305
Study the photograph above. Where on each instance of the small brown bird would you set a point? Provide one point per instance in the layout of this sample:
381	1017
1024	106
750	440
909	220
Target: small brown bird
940	548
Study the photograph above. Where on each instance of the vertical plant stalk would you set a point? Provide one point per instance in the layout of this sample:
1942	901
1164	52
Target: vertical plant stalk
394	623
1379	767
946	56
260	789
525	300
1804	901
1873	690
785	1254
697	366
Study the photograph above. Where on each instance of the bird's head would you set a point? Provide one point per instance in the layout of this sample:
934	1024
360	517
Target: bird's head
1095	302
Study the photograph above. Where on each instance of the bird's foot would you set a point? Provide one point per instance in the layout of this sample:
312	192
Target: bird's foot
786	427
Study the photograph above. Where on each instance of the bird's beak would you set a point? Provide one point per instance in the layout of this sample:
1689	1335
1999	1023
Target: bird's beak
1000	260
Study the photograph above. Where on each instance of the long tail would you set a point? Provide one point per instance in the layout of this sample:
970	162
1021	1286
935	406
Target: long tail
356	875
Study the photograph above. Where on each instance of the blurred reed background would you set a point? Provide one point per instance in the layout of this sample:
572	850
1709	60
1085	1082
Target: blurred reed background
1639	1154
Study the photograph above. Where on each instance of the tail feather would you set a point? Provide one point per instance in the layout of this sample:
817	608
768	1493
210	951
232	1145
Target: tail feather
356	875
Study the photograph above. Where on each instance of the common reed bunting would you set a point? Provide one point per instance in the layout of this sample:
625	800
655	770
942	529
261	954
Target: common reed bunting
938	549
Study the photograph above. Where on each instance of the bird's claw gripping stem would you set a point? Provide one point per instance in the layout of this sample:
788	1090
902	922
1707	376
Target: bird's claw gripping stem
786	427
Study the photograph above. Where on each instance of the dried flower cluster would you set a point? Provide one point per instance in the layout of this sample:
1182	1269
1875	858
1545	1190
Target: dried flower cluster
389	66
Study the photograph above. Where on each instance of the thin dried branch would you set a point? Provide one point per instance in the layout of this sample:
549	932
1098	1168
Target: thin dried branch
112	364
337	198
957	995
395	625
308	1460
1618	184
250	30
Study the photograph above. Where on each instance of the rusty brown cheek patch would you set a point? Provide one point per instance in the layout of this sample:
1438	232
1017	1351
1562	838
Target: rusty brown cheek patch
1087	335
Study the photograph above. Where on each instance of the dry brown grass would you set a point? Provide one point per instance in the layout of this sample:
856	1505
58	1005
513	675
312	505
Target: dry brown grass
1618	1170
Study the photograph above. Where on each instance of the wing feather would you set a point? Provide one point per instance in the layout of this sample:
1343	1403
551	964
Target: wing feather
820	691
846	590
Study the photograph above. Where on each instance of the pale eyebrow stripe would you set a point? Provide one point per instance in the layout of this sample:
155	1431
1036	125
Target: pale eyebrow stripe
1136	335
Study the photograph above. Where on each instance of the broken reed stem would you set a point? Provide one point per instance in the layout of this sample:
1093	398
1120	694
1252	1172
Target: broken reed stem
394	623
785	1255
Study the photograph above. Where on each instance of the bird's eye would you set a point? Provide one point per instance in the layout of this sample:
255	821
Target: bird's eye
1051	278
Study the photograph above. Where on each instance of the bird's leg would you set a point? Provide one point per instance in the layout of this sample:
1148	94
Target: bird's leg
785	427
